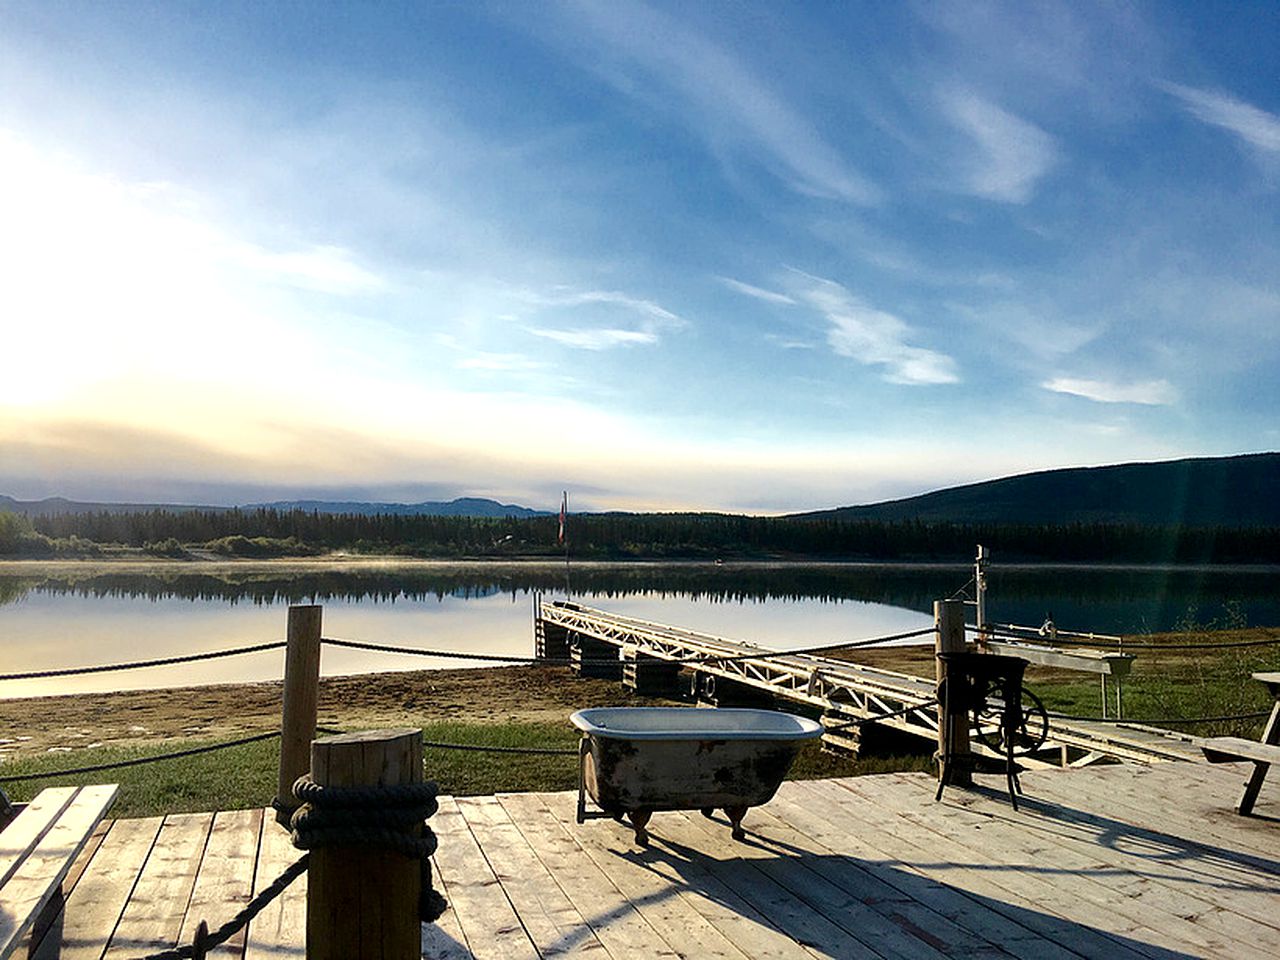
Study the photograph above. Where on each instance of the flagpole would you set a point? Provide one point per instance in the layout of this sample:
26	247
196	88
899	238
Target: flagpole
564	538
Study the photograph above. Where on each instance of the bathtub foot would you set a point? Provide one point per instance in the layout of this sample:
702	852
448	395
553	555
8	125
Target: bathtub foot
708	812
638	820
735	815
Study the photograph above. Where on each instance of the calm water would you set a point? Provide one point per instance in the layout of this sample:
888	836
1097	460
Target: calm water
73	614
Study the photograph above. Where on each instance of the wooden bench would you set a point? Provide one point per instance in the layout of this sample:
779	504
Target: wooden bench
1263	753
37	849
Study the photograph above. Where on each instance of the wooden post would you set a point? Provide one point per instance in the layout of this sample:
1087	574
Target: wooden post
362	901
953	738
301	697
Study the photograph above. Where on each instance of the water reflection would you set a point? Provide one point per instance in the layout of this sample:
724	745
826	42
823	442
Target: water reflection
59	615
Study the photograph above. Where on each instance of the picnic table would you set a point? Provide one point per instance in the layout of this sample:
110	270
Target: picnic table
1262	752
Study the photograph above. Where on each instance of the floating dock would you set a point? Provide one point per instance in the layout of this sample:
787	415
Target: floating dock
736	673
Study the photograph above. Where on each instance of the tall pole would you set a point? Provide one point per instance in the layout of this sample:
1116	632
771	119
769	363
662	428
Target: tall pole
953	729
564	537
301	702
980	592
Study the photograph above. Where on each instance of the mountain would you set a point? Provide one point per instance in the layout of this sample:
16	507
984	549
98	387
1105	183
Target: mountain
461	507
54	506
1242	491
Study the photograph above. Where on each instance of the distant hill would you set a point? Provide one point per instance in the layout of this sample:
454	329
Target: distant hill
461	507
1241	491
56	506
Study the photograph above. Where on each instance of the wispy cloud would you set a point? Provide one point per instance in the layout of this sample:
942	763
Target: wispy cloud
1012	154
601	331
498	363
723	98
759	293
1155	393
1254	126
874	337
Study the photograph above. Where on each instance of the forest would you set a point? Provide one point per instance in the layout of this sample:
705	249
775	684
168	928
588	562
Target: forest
261	533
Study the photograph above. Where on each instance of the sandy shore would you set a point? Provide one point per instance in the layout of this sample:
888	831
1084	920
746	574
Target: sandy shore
488	695
522	694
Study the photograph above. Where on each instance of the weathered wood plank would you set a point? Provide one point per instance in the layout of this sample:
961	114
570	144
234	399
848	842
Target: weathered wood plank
887	855
550	919
153	917
279	932
94	908
476	898
20	837
33	882
828	885
613	919
225	881
653	884
731	862
51	918
610	845
444	939
1079	875
776	829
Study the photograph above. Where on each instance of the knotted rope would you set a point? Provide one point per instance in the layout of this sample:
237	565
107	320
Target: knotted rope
393	817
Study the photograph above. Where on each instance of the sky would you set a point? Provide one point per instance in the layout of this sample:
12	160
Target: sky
757	257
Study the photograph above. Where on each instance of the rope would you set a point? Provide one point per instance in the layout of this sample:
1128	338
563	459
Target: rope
561	661
256	738
539	751
138	664
1237	716
205	941
382	816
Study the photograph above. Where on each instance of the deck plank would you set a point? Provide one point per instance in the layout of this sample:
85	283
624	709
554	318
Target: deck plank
614	920
654	885
476	897
887	855
728	913
1082	875
279	932
153	917
551	920
225	881
98	900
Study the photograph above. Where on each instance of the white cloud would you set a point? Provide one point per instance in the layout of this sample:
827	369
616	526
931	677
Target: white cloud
875	337
1254	126
759	293
1012	154
722	96
599	339
648	320
1156	393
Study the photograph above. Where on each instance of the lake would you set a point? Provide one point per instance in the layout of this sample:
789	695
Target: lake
55	615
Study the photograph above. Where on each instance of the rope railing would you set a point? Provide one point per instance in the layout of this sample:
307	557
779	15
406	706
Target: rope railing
139	761
139	664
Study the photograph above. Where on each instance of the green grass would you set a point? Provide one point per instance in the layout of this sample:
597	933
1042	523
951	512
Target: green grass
245	776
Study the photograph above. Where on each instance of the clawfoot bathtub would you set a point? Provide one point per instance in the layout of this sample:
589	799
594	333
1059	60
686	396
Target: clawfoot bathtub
638	760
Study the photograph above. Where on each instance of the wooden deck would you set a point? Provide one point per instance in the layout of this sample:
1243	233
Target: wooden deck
1114	861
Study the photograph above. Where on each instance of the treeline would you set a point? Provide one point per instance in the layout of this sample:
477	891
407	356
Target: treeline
268	532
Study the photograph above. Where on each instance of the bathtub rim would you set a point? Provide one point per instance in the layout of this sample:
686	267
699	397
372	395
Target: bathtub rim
778	725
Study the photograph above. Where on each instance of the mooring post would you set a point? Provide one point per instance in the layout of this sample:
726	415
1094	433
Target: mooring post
301	699
362	900
953	737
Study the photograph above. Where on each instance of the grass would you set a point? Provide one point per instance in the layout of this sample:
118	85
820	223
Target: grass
245	776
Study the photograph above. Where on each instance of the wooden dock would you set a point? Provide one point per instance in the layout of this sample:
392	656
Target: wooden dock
843	690
1115	861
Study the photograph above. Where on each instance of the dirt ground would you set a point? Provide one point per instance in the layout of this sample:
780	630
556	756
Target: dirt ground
486	695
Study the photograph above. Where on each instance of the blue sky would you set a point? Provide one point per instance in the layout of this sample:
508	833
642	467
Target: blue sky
759	257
